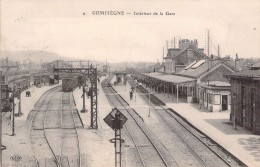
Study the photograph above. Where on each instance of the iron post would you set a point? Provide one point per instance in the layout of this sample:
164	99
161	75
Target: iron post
13	115
84	107
118	143
149	94
135	88
19	103
234	110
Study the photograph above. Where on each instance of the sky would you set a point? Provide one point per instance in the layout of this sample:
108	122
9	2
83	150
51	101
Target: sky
59	26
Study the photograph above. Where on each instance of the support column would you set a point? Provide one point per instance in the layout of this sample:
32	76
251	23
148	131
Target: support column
164	88
177	93
83	96
172	91
13	115
187	93
168	89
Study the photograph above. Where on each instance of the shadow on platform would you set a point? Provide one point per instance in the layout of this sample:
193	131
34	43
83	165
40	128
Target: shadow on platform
252	144
224	126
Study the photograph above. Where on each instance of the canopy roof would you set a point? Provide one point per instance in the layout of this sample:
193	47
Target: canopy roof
170	78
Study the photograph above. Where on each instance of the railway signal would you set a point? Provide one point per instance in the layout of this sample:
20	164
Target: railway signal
115	119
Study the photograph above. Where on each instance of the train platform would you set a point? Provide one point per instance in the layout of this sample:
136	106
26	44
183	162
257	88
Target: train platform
18	148
96	150
241	142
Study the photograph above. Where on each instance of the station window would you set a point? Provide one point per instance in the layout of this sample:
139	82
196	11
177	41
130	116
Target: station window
217	99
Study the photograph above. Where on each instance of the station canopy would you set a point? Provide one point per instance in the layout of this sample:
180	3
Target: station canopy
170	78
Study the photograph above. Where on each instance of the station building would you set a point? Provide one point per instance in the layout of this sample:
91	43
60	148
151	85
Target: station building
202	83
192	77
245	91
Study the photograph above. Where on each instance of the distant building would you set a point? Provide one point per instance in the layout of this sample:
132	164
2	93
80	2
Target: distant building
11	70
178	58
105	68
245	91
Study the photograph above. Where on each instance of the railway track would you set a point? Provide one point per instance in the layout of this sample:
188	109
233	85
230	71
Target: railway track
202	147
150	151
53	130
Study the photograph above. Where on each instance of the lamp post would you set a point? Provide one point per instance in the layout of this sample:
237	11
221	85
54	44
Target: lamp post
135	88
234	102
83	96
149	93
19	103
200	97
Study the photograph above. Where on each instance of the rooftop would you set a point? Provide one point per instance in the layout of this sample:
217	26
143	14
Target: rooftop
255	66
170	78
201	67
252	72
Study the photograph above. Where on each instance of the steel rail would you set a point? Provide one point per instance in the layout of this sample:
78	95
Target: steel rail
30	129
145	133
30	126
137	148
61	149
57	162
76	129
63	136
224	160
192	150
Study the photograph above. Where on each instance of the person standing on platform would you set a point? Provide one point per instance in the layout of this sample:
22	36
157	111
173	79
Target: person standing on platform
131	95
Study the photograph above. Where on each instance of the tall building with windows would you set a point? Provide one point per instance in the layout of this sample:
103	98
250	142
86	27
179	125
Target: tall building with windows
178	58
